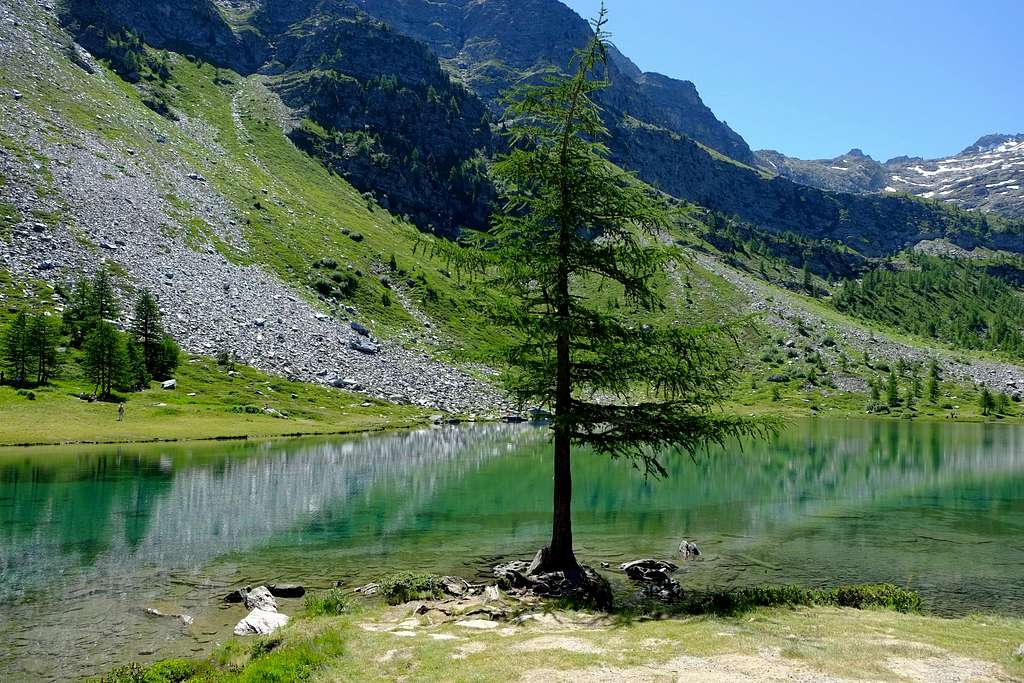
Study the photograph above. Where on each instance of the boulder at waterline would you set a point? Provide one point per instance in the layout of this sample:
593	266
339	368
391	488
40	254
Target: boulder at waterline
260	622
260	598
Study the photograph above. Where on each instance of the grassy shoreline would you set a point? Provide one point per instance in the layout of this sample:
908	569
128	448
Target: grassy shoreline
56	417
210	403
366	640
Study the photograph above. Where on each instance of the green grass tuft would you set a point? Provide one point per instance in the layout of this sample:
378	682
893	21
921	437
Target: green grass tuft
327	603
402	587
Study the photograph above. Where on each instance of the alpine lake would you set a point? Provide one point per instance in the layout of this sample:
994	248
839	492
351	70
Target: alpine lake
92	536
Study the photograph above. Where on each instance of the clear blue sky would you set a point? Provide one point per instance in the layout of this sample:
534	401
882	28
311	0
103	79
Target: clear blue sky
813	78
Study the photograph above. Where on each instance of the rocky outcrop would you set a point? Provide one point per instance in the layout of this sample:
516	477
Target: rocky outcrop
178	25
494	44
850	172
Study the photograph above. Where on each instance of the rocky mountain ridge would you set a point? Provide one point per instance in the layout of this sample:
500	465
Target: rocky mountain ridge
376	117
988	175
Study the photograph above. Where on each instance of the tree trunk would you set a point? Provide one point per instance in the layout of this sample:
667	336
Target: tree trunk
560	556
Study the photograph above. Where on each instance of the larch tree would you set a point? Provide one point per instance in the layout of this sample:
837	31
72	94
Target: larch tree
572	224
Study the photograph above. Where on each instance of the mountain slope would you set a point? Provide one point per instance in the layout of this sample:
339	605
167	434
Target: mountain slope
376	101
988	175
222	217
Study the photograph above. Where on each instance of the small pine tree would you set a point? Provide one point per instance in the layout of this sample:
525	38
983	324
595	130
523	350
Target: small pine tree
1002	404
148	331
106	360
875	394
915	384
42	347
138	376
168	357
986	402
933	382
77	313
17	354
103	302
910	398
892	390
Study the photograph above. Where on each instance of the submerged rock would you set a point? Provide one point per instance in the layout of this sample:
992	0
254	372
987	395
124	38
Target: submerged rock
237	595
183	618
648	569
260	622
688	549
286	590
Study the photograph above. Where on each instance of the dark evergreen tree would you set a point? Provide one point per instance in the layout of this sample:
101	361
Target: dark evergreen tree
137	372
892	390
168	356
103	301
106	360
77	313
933	381
986	401
148	331
875	394
42	346
17	352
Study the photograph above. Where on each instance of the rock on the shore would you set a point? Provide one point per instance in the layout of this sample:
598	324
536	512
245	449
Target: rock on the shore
655	575
260	598
260	622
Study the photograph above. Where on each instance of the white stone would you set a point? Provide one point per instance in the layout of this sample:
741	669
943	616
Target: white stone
260	622
480	624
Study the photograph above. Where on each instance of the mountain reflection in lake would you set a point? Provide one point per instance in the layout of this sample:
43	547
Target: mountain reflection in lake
90	537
